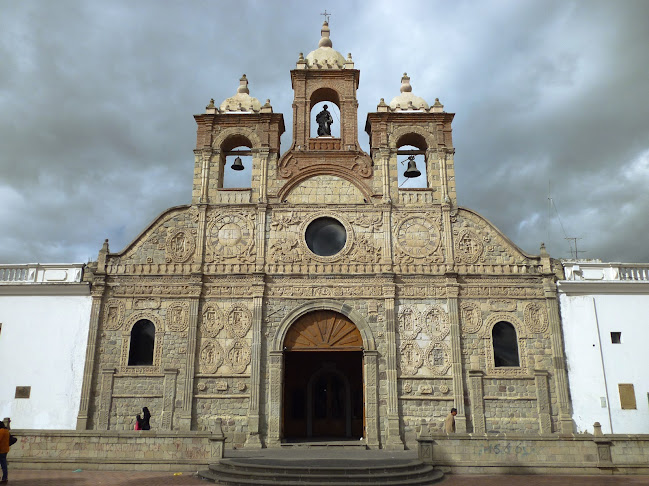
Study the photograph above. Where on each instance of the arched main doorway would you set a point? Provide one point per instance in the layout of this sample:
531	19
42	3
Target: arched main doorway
323	378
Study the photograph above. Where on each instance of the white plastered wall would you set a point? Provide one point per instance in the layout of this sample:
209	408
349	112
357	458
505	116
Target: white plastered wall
43	344
596	365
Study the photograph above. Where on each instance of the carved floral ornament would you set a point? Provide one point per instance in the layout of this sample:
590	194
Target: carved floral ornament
180	245
231	236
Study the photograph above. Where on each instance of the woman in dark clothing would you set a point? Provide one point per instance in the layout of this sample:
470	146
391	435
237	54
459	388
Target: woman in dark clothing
146	417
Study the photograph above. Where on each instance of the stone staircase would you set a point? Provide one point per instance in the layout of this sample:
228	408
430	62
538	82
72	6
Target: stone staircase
321	471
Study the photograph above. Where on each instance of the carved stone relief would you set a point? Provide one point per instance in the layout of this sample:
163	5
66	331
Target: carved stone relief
178	316
436	323
114	311
180	246
438	358
411	357
210	357
239	321
238	355
408	321
146	303
416	238
535	317
231	236
468	247
470	317
212	321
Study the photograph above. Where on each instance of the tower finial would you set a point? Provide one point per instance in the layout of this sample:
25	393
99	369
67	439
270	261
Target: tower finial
326	16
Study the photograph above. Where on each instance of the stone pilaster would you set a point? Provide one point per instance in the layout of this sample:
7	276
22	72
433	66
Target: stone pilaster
97	291
276	373
105	398
452	291
393	433
168	398
371	370
253	441
476	391
558	358
543	401
185	418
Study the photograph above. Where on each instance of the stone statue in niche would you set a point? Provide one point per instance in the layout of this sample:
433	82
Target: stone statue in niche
324	121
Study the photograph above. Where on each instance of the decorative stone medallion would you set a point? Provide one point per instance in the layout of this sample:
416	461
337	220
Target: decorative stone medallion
470	317
468	247
417	236
535	318
113	315
238	356
436	321
438	358
408	322
210	357
180	246
212	321
178	316
229	236
411	358
239	321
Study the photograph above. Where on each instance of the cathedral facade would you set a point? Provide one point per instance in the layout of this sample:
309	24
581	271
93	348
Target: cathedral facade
324	301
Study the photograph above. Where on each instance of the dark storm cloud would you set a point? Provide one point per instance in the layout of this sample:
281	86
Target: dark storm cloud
97	98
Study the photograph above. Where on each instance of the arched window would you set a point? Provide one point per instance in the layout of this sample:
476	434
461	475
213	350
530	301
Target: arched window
411	148
142	342
505	345
236	160
320	98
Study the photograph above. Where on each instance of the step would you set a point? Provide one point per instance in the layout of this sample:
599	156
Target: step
329	444
321	472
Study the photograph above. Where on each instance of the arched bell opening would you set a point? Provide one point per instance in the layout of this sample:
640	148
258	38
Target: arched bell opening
236	163
411	161
324	109
323	378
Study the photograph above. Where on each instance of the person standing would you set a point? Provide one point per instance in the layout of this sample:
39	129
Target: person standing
5	444
449	423
146	417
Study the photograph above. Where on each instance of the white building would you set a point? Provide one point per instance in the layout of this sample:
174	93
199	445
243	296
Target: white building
44	316
605	316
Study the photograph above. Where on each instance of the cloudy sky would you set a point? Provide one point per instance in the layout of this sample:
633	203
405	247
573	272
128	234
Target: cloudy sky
97	101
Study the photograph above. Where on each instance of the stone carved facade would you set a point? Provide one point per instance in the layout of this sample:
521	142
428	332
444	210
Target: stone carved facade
424	281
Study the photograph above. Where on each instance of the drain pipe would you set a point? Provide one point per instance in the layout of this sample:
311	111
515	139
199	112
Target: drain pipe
601	357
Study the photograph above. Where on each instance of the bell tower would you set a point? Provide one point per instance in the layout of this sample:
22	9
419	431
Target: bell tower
324	75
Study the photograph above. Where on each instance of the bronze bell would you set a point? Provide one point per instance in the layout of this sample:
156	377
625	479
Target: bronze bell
412	170
237	164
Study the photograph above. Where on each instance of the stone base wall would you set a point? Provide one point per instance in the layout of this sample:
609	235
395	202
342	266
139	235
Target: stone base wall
518	454
132	450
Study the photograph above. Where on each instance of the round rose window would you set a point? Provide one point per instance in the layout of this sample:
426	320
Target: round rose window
325	236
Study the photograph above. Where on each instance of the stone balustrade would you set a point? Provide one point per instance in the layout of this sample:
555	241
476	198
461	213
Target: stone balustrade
598	271
35	273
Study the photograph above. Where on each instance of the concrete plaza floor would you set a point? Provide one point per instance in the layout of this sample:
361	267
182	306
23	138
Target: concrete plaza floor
129	478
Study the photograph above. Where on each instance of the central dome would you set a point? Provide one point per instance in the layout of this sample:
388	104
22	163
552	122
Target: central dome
325	57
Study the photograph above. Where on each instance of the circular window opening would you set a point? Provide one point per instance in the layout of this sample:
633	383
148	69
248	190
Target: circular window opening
325	236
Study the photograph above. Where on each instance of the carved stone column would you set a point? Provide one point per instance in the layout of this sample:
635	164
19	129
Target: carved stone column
105	398
393	433
168	397
260	170
543	401
276	373
371	371
253	440
452	292
97	292
476	391
185	416
558	358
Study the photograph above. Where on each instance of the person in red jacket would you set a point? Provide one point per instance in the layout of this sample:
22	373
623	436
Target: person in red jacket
4	449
